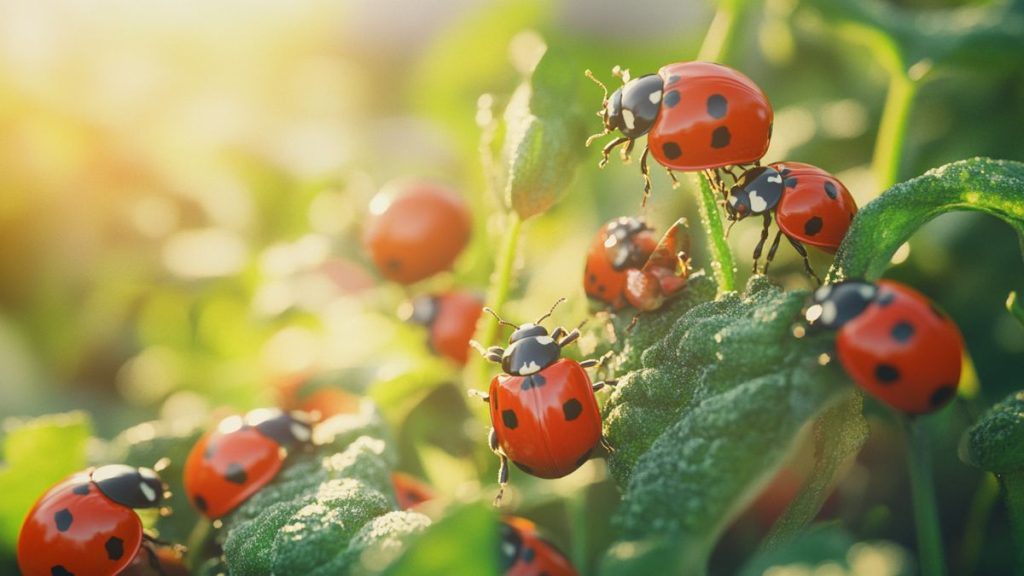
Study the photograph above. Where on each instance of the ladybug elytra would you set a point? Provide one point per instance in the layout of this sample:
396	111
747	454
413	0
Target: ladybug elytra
450	319
892	341
87	524
524	552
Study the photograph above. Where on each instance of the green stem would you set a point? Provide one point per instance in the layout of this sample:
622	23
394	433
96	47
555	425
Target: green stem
722	264
1013	486
984	499
892	130
922	490
720	41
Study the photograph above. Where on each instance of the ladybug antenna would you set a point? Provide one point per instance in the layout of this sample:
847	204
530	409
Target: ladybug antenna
729	229
553	306
620	72
499	319
590	75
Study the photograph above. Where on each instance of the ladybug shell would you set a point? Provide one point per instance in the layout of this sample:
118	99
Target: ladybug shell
416	230
453	327
525	553
224	469
815	207
711	116
604	282
902	350
75	529
409	491
546	423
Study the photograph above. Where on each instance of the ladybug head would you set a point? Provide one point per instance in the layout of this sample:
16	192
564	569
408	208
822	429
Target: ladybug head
286	428
833	305
128	486
628	243
757	191
421	311
633	108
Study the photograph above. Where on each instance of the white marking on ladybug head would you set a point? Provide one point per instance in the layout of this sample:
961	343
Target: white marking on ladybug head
544	340
627	119
777	179
813	313
531	368
867	291
829	312
508	549
757	204
733	200
147	492
655	97
300	431
823	292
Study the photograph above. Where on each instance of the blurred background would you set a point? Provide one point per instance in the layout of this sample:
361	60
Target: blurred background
183	184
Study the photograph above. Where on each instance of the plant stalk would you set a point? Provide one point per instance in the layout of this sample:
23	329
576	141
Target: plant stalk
722	264
892	130
1013	489
922	490
984	500
720	41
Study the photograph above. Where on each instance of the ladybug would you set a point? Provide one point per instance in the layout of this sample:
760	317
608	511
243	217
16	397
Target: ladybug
524	552
698	116
451	320
892	341
626	264
543	410
416	230
409	491
811	207
240	456
87	524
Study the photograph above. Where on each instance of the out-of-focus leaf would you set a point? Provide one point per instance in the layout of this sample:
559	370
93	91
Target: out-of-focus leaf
648	556
995	187
464	543
37	454
830	546
543	136
712	411
1014	306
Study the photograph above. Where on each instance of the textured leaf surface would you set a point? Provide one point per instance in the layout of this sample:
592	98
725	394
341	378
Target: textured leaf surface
711	409
464	543
996	441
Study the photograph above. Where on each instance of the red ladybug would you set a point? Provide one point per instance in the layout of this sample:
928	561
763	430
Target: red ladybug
240	456
525	553
545	416
87	524
409	491
697	116
627	264
451	319
416	230
811	207
892	341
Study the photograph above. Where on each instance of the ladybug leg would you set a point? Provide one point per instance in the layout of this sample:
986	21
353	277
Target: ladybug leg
591	362
672	175
627	151
479	394
647	175
760	243
607	150
607	445
502	468
569	338
771	251
803	253
149	544
593	137
599	385
492	354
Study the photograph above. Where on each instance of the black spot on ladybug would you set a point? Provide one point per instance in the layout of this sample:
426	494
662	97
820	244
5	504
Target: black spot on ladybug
720	137
717	106
523	467
59	570
885	299
673	79
236	473
601	288
529	554
583	459
830	189
63	519
533	381
671	150
200	503
942	395
903	332
394	264
81	489
812	226
791	182
572	409
886	373
508	417
671	99
593	278
115	548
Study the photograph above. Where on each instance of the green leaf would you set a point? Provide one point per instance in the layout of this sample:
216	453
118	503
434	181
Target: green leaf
828	547
712	410
543	134
1014	306
37	454
995	187
329	511
464	543
995	443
